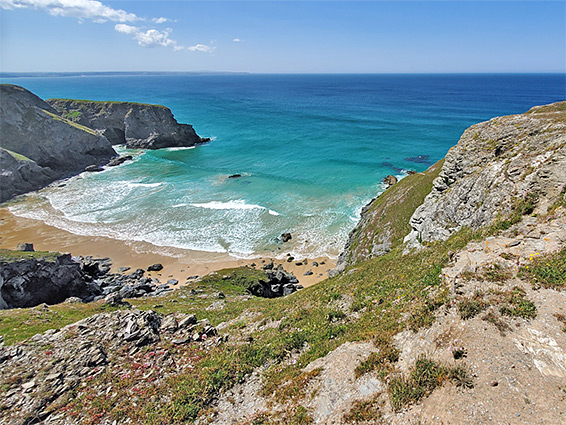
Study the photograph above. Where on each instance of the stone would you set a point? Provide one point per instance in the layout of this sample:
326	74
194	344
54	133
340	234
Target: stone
155	267
390	180
25	246
286	237
235	176
187	321
172	282
308	273
94	169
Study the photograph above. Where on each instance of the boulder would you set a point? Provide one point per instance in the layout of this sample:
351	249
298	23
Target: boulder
390	180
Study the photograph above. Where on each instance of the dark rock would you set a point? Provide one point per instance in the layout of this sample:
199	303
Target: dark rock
155	267
420	159
133	124
94	169
268	266
28	247
31	281
290	259
172	282
411	172
44	146
308	273
220	296
285	237
315	264
137	274
235	176
123	269
119	160
193	277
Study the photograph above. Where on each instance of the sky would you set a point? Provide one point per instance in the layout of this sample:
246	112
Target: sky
283	36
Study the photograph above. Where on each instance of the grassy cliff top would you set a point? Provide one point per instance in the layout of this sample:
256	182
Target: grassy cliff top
8	255
86	102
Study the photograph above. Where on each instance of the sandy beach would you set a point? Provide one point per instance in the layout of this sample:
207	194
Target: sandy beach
177	263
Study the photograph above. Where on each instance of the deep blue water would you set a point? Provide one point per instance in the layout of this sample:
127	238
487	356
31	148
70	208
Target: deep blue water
313	150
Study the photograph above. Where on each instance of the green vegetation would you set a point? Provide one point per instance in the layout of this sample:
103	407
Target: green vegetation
17	156
364	411
86	102
390	212
522	206
382	361
469	308
423	378
71	123
515	304
9	255
548	271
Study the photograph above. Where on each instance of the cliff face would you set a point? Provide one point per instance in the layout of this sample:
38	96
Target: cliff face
43	145
495	166
133	124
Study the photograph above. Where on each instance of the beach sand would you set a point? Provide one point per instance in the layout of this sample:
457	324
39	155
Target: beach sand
177	263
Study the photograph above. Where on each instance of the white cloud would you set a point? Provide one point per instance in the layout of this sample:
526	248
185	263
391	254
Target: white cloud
236	40
149	38
201	48
161	20
80	9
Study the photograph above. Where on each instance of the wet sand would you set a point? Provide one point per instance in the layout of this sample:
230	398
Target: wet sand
177	263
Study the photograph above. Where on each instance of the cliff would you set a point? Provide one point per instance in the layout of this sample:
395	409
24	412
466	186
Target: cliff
55	146
469	329
135	125
496	167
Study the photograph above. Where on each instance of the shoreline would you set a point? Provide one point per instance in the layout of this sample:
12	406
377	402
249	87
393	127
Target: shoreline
177	263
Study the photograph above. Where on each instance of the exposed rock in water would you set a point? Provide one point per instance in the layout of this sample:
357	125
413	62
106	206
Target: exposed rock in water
134	124
235	176
94	169
286	237
119	160
495	166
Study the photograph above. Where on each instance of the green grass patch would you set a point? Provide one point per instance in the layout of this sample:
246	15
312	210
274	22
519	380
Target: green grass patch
365	411
469	308
388	215
8	255
382	361
548	271
516	305
71	123
423	378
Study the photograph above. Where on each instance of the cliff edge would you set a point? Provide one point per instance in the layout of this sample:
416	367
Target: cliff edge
44	146
135	125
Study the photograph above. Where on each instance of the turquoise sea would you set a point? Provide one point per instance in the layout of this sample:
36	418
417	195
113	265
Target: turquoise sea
312	150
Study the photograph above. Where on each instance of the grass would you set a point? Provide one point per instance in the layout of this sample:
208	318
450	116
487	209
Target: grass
71	123
17	156
389	213
548	271
521	206
516	305
85	103
423	378
469	308
9	255
364	411
382	361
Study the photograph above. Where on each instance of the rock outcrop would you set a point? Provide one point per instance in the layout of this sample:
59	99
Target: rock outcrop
32	128
135	125
495	166
31	280
50	367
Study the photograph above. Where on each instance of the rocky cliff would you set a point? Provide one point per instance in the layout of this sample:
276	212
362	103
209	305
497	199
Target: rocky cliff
498	167
135	125
53	146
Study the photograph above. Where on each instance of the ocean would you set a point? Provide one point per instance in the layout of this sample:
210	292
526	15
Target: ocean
312	151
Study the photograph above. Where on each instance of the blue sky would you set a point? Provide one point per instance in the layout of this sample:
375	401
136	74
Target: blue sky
296	37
